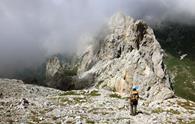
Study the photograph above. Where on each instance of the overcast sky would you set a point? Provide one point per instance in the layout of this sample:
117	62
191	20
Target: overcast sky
30	30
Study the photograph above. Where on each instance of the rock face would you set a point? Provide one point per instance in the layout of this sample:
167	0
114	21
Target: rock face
60	73
128	53
53	66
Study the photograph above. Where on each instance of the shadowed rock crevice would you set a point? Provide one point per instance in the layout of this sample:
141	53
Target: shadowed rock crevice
141	29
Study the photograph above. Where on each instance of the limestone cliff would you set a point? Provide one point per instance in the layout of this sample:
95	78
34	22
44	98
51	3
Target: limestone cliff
128	53
125	53
60	72
53	66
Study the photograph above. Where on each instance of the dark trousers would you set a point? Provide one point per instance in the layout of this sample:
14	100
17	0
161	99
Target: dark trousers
133	108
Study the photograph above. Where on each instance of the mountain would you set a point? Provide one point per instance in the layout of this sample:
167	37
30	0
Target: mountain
128	53
123	54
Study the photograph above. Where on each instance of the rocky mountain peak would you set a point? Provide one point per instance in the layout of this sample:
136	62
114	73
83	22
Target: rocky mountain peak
128	53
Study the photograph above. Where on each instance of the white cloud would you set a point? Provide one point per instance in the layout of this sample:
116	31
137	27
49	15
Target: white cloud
38	28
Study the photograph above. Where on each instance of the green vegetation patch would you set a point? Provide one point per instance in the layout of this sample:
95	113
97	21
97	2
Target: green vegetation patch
70	100
183	122
158	110
187	105
35	119
175	112
184	76
191	122
94	93
69	93
114	95
79	99
29	122
90	121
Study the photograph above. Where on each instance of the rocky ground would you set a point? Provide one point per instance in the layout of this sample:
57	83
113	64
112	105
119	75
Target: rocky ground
29	104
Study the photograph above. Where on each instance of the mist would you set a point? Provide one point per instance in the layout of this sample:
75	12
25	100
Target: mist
32	30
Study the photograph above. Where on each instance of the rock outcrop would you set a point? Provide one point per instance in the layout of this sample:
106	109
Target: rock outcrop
53	66
128	53
60	72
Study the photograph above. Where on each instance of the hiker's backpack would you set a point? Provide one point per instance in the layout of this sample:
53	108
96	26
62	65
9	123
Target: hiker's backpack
134	96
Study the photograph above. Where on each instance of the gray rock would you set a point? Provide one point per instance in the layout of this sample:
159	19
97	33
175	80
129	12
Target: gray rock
53	66
128	53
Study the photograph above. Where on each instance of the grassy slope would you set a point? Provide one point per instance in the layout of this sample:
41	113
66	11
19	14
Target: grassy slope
184	76
178	39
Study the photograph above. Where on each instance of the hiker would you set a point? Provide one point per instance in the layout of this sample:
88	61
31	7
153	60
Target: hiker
134	96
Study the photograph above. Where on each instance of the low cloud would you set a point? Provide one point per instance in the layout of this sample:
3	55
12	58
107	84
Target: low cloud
31	30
